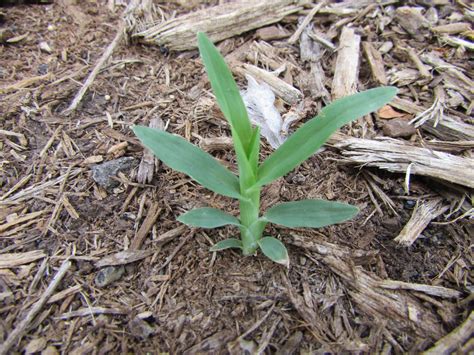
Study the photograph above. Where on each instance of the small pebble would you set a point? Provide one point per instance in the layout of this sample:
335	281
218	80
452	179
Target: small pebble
398	127
409	204
44	46
43	69
108	275
102	173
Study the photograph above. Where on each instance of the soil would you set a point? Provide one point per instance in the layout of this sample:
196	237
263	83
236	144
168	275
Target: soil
180	297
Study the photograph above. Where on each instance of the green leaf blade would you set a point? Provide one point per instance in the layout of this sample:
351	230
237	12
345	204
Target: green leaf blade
226	90
208	217
226	244
275	250
310	213
180	155
314	133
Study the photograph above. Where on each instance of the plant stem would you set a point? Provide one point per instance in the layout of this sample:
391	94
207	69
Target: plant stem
251	232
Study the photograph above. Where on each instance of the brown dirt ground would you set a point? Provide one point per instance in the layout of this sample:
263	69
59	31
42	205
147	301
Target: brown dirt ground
187	297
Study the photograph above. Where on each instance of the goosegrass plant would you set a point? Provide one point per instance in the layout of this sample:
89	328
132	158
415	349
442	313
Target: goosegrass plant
179	154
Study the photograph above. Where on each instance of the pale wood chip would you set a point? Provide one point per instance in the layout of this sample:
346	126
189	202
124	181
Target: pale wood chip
64	293
374	57
146	168
423	214
27	217
17	259
398	156
123	257
281	88
228	20
84	312
438	291
346	71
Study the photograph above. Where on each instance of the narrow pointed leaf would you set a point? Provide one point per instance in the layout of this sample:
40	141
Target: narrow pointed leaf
314	133
254	150
274	250
225	89
310	213
227	244
246	173
180	155
207	217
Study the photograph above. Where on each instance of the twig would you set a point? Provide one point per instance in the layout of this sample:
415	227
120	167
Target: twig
21	328
306	22
100	63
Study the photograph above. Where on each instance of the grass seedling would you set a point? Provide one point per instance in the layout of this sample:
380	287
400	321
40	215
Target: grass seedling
183	156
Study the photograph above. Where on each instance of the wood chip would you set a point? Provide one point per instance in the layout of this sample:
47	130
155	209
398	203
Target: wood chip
151	217
423	214
398	156
374	57
17	259
438	291
146	169
228	20
347	64
281	88
306	22
123	257
90	311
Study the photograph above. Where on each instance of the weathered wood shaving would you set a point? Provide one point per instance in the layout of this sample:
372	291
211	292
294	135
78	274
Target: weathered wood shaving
228	20
347	65
374	57
123	257
294	38
146	169
398	156
17	259
423	214
281	88
448	128
437	291
91	311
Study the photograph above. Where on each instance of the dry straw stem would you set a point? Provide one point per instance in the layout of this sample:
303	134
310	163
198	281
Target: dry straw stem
398	156
218	22
423	214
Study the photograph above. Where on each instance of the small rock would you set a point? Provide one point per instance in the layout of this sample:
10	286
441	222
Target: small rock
140	328
108	275
103	173
43	69
272	32
35	345
398	128
44	46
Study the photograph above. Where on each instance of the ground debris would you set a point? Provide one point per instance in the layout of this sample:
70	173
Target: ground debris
103	173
